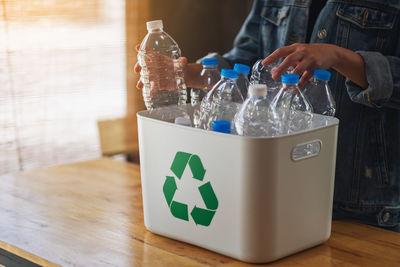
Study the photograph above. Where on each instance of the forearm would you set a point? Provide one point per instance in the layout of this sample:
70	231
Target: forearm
351	65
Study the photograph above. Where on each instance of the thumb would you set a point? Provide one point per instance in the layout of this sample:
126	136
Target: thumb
137	47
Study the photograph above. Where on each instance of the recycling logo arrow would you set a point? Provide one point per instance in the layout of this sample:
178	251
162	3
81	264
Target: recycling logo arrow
180	210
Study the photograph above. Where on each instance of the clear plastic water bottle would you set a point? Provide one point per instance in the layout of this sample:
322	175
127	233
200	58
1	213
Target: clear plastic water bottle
242	80
222	102
290	96
319	93
162	73
209	76
221	126
262	75
287	101
255	118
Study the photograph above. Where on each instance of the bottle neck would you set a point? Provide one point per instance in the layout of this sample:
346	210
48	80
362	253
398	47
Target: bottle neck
210	67
257	96
155	30
227	79
290	85
320	81
242	75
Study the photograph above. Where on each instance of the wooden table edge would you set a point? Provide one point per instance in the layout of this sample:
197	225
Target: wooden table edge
25	254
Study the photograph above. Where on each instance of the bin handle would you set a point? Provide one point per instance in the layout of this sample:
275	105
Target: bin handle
306	150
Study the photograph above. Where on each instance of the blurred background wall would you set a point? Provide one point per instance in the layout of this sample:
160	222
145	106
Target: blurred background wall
198	27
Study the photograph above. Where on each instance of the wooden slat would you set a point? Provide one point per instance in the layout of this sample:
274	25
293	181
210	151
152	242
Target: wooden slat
90	214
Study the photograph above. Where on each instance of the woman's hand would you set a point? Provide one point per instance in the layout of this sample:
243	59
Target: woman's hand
158	67
305	58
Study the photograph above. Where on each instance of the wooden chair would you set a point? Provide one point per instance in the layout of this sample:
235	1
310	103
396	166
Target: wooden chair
119	137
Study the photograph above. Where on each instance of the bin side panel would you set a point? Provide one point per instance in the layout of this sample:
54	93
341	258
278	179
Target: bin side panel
246	198
217	227
305	192
259	224
287	204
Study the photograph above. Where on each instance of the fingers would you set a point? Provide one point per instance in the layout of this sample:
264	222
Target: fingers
139	85
137	67
289	61
308	63
158	69
305	78
278	53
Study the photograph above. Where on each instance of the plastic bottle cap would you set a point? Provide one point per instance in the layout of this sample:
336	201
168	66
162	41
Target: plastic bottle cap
229	73
242	68
290	78
221	126
258	89
209	61
183	121
322	74
154	24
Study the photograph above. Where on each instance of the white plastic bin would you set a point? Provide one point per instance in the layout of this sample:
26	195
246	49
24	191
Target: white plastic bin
264	205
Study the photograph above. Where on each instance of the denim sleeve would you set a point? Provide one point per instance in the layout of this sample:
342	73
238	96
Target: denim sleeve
383	76
246	47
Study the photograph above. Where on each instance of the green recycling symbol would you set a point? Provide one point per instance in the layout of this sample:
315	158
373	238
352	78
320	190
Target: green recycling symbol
180	210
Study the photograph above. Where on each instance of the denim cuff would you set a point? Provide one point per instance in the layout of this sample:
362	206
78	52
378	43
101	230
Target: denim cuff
223	63
380	82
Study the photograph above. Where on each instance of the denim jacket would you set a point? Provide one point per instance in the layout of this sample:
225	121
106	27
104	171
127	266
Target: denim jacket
367	181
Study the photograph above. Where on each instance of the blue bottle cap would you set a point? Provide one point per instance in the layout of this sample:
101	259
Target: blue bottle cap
229	73
242	68
209	61
290	78
221	126
322	74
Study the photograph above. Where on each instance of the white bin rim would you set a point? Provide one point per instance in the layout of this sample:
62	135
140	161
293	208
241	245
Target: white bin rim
319	121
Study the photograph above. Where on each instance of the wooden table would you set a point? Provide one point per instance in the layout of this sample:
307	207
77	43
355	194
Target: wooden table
118	136
90	214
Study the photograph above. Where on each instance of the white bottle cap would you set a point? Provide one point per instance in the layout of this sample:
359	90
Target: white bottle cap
183	121
155	24
258	89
